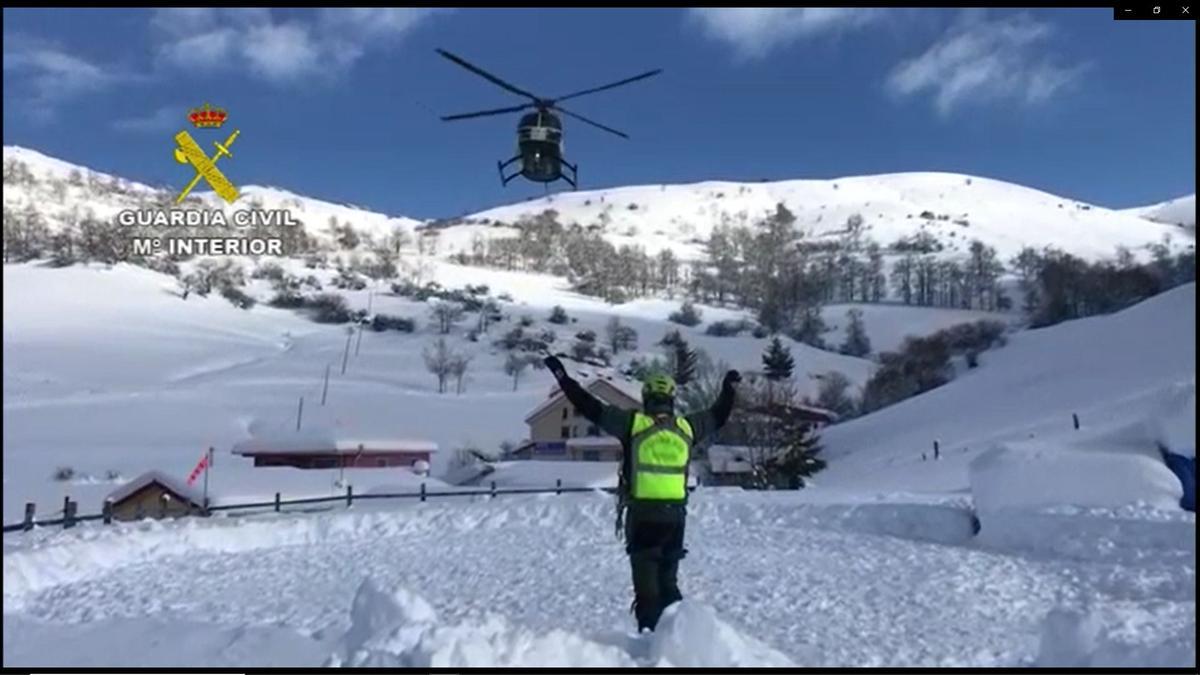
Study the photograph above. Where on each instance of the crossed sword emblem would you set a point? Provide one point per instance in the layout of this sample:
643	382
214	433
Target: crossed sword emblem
189	152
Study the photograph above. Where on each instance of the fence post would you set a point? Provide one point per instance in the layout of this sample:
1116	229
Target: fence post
349	495
325	387
276	502
493	489
422	491
937	451
69	512
108	508
299	413
1075	419
558	486
30	507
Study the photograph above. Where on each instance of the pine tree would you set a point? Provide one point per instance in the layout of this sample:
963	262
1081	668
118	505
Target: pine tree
685	363
857	343
777	360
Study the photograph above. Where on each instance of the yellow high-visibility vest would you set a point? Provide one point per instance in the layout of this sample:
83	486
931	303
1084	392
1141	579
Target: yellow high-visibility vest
661	451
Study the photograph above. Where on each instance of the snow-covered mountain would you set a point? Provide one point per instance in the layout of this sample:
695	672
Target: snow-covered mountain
953	208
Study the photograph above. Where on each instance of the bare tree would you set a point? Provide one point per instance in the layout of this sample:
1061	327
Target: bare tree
515	366
445	315
458	368
620	337
438	360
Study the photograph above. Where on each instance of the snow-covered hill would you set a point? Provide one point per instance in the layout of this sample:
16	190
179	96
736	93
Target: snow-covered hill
1113	371
953	208
1180	212
112	194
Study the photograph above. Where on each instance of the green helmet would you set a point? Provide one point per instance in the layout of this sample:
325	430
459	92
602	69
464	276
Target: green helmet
658	385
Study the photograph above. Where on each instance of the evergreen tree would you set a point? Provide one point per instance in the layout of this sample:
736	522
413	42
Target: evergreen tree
684	358
777	361
857	343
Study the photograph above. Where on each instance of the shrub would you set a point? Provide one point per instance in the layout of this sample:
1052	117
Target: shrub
687	315
761	332
582	349
728	328
329	308
64	473
382	322
287	300
525	321
586	335
237	297
558	315
268	270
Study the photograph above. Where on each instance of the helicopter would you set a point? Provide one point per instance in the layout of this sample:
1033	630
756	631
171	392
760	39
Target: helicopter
540	132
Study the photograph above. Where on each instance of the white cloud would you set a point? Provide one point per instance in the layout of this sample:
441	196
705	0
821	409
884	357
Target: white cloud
281	52
45	76
755	31
982	60
165	119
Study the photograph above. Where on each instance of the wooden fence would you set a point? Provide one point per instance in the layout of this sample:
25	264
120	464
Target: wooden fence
70	517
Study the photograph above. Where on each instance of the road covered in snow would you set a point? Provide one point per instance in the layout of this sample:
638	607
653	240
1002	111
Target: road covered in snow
771	579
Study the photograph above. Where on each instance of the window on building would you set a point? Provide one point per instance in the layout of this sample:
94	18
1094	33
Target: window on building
566	432
566	411
591	455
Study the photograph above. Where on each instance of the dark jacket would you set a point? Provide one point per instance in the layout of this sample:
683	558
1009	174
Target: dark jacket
619	423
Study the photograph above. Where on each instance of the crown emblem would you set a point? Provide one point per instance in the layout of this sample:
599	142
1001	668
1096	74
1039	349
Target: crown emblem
207	117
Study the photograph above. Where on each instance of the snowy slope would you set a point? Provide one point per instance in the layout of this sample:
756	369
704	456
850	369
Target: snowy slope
1110	370
1180	212
149	381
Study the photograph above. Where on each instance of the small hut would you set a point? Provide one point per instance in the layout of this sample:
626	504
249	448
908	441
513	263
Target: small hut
154	494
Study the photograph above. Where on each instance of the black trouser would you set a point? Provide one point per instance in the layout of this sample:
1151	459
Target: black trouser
654	541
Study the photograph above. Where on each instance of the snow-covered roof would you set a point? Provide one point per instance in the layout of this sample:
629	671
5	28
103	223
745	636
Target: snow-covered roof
324	441
593	442
171	483
595	383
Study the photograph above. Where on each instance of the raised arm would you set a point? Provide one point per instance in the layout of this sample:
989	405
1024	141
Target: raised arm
708	422
589	406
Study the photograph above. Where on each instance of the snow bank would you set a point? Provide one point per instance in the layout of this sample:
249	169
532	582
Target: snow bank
401	630
1173	424
1032	475
1073	638
690	635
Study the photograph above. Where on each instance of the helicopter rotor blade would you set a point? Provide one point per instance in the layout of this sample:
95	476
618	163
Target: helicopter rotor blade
486	113
581	118
486	75
593	90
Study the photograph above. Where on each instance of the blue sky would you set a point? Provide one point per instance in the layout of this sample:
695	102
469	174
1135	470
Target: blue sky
343	104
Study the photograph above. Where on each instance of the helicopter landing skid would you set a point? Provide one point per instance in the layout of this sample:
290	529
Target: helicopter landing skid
500	167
